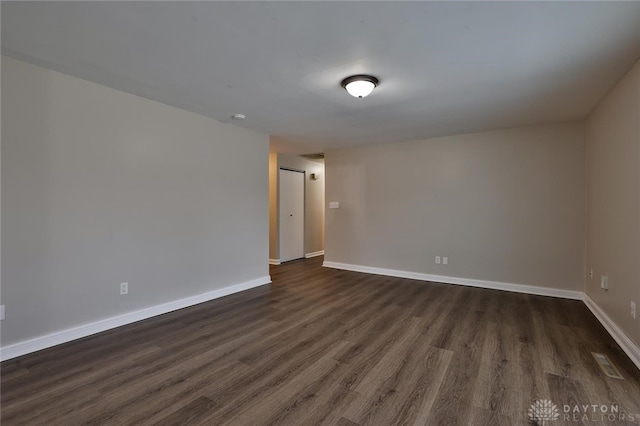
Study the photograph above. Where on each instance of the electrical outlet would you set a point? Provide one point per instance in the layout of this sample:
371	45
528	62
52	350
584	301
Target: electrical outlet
2	312
633	310
604	282
124	288
438	261
445	260
591	273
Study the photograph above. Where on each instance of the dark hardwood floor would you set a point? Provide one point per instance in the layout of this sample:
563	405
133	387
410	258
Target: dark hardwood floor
321	346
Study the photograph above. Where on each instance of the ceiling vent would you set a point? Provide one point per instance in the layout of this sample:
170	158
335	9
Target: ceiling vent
316	156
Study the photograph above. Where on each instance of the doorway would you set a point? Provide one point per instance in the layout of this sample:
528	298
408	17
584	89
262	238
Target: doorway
291	214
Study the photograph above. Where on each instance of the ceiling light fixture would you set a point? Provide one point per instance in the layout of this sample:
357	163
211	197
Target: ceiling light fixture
359	86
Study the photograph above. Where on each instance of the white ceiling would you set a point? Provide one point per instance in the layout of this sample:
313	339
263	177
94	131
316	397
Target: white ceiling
445	67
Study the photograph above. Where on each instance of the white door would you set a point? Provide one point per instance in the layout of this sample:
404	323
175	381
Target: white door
291	215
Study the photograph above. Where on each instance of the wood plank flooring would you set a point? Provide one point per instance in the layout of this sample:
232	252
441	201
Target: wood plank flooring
322	346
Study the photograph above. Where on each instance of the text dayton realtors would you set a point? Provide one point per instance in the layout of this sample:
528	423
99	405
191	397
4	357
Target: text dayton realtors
596	413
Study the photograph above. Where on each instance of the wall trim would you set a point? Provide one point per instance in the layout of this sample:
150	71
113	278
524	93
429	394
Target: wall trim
274	261
494	285
627	345
314	254
64	336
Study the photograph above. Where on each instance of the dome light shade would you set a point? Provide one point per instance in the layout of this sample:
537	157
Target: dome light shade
359	86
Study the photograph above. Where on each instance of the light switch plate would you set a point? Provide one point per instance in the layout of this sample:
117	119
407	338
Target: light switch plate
334	204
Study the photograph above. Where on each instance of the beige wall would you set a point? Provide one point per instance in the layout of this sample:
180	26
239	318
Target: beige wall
314	202
613	202
273	206
101	187
505	206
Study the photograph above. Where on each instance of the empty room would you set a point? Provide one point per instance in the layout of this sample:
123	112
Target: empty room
320	213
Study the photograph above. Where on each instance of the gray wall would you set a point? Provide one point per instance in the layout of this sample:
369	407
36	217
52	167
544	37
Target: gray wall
314	202
101	187
505	206
613	202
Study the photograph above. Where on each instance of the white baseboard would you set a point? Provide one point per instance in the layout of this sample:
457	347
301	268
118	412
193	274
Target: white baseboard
627	345
63	336
274	261
495	285
314	254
